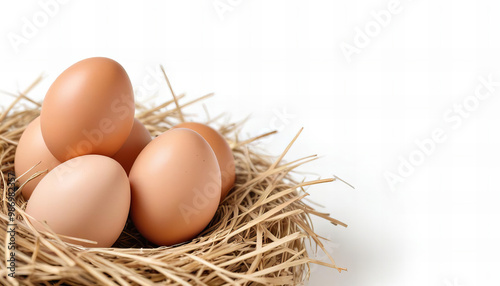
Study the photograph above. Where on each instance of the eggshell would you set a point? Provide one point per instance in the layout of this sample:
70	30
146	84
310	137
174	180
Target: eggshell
86	197
222	152
175	185
30	151
89	109
138	139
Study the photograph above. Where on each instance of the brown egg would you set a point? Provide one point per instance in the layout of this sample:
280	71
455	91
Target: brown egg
89	109
175	185
222	152
31	150
86	197
138	139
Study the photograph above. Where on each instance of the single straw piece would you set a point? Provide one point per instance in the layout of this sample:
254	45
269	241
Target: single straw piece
173	94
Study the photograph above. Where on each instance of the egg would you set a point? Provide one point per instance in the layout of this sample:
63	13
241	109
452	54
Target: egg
88	109
30	151
222	152
85	197
138	139
175	183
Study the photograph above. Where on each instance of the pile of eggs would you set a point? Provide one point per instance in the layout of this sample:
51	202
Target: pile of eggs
102	164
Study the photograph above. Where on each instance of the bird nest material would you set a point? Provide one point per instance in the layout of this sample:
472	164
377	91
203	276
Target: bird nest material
258	235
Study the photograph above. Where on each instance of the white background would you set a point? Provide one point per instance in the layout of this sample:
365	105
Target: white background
361	113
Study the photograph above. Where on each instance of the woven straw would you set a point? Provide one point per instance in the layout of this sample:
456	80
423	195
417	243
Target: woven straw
258	235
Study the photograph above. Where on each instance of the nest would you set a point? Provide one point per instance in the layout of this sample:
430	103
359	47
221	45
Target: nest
258	235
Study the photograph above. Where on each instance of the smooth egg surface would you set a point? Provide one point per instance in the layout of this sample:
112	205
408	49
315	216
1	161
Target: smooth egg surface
176	185
86	197
222	152
138	139
30	151
89	109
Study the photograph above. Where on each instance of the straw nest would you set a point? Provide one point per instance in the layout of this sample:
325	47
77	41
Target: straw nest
258	235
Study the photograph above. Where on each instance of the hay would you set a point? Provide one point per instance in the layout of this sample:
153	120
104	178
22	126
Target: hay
258	235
